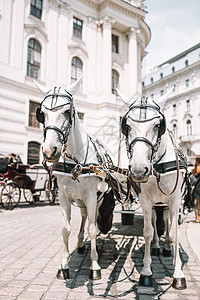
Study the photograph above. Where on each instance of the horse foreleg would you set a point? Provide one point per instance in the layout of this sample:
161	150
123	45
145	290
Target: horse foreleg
146	273
95	269
63	271
155	244
80	243
179	281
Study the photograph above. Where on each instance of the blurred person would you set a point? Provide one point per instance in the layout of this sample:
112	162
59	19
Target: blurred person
195	180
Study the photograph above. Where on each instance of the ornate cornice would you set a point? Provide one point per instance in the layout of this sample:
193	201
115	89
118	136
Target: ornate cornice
107	22
93	23
34	28
61	6
133	33
78	50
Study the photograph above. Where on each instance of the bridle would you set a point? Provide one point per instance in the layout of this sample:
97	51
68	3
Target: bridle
40	115
142	119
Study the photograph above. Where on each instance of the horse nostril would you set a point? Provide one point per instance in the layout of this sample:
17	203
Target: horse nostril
146	170
54	150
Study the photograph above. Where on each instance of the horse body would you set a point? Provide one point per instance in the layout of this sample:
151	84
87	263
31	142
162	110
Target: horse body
150	145
63	134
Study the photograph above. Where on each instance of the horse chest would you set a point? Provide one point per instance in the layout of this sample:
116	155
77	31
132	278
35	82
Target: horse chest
79	190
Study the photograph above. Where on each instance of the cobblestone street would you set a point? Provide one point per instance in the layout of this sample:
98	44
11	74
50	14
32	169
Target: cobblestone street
31	250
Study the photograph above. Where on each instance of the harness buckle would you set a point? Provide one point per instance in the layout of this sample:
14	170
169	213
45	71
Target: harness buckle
76	171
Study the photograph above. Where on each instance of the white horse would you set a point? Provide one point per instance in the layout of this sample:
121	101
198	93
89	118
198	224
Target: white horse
64	137
150	148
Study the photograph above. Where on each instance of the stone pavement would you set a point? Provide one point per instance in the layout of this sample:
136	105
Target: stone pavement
31	250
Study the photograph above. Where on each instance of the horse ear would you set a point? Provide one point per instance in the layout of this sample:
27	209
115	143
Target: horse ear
162	100
74	87
44	90
124	98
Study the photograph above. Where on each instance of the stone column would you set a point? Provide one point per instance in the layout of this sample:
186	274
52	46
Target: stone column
133	57
107	54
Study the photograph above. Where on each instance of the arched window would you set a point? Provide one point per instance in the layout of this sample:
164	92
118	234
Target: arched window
33	59
36	8
33	153
161	75
173	69
115	81
189	127
186	62
76	68
175	130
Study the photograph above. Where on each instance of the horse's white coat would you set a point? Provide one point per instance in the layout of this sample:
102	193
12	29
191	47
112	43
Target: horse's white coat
140	165
83	192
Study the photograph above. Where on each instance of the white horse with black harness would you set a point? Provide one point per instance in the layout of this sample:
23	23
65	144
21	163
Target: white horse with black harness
155	162
80	179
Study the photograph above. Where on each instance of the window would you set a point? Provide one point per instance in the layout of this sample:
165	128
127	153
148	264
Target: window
189	152
115	81
151	79
33	60
36	8
189	127
188	104
115	43
186	63
161	92
81	116
174	109
173	69
143	83
161	75
76	68
77	28
175	130
33	153
187	82
32	116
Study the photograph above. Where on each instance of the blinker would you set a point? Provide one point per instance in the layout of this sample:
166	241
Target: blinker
39	115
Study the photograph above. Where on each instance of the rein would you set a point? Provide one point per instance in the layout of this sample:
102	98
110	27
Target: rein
157	175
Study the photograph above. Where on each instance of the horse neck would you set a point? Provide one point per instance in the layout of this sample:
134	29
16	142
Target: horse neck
166	145
77	140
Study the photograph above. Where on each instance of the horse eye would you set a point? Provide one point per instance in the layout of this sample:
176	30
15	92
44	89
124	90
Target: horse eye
66	111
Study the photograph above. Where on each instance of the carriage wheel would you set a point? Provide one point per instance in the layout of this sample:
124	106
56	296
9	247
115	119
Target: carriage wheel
10	195
28	196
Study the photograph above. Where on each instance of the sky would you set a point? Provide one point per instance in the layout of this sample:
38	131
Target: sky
175	27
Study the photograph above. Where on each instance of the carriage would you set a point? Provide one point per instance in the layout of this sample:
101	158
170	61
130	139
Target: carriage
17	179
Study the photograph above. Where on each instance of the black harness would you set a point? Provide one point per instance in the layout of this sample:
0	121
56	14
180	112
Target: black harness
143	118
41	119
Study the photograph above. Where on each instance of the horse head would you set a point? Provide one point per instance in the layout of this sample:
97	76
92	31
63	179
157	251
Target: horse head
143	126
56	113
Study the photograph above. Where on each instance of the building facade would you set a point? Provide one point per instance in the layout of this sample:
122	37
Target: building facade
182	109
54	41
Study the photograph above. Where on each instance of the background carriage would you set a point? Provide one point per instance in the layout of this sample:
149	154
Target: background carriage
17	179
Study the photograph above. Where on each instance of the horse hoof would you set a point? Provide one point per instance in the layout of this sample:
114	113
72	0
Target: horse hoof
146	280
179	283
95	274
155	251
63	274
81	250
166	253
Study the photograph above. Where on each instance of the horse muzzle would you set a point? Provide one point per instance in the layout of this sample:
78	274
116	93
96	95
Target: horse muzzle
139	175
51	155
